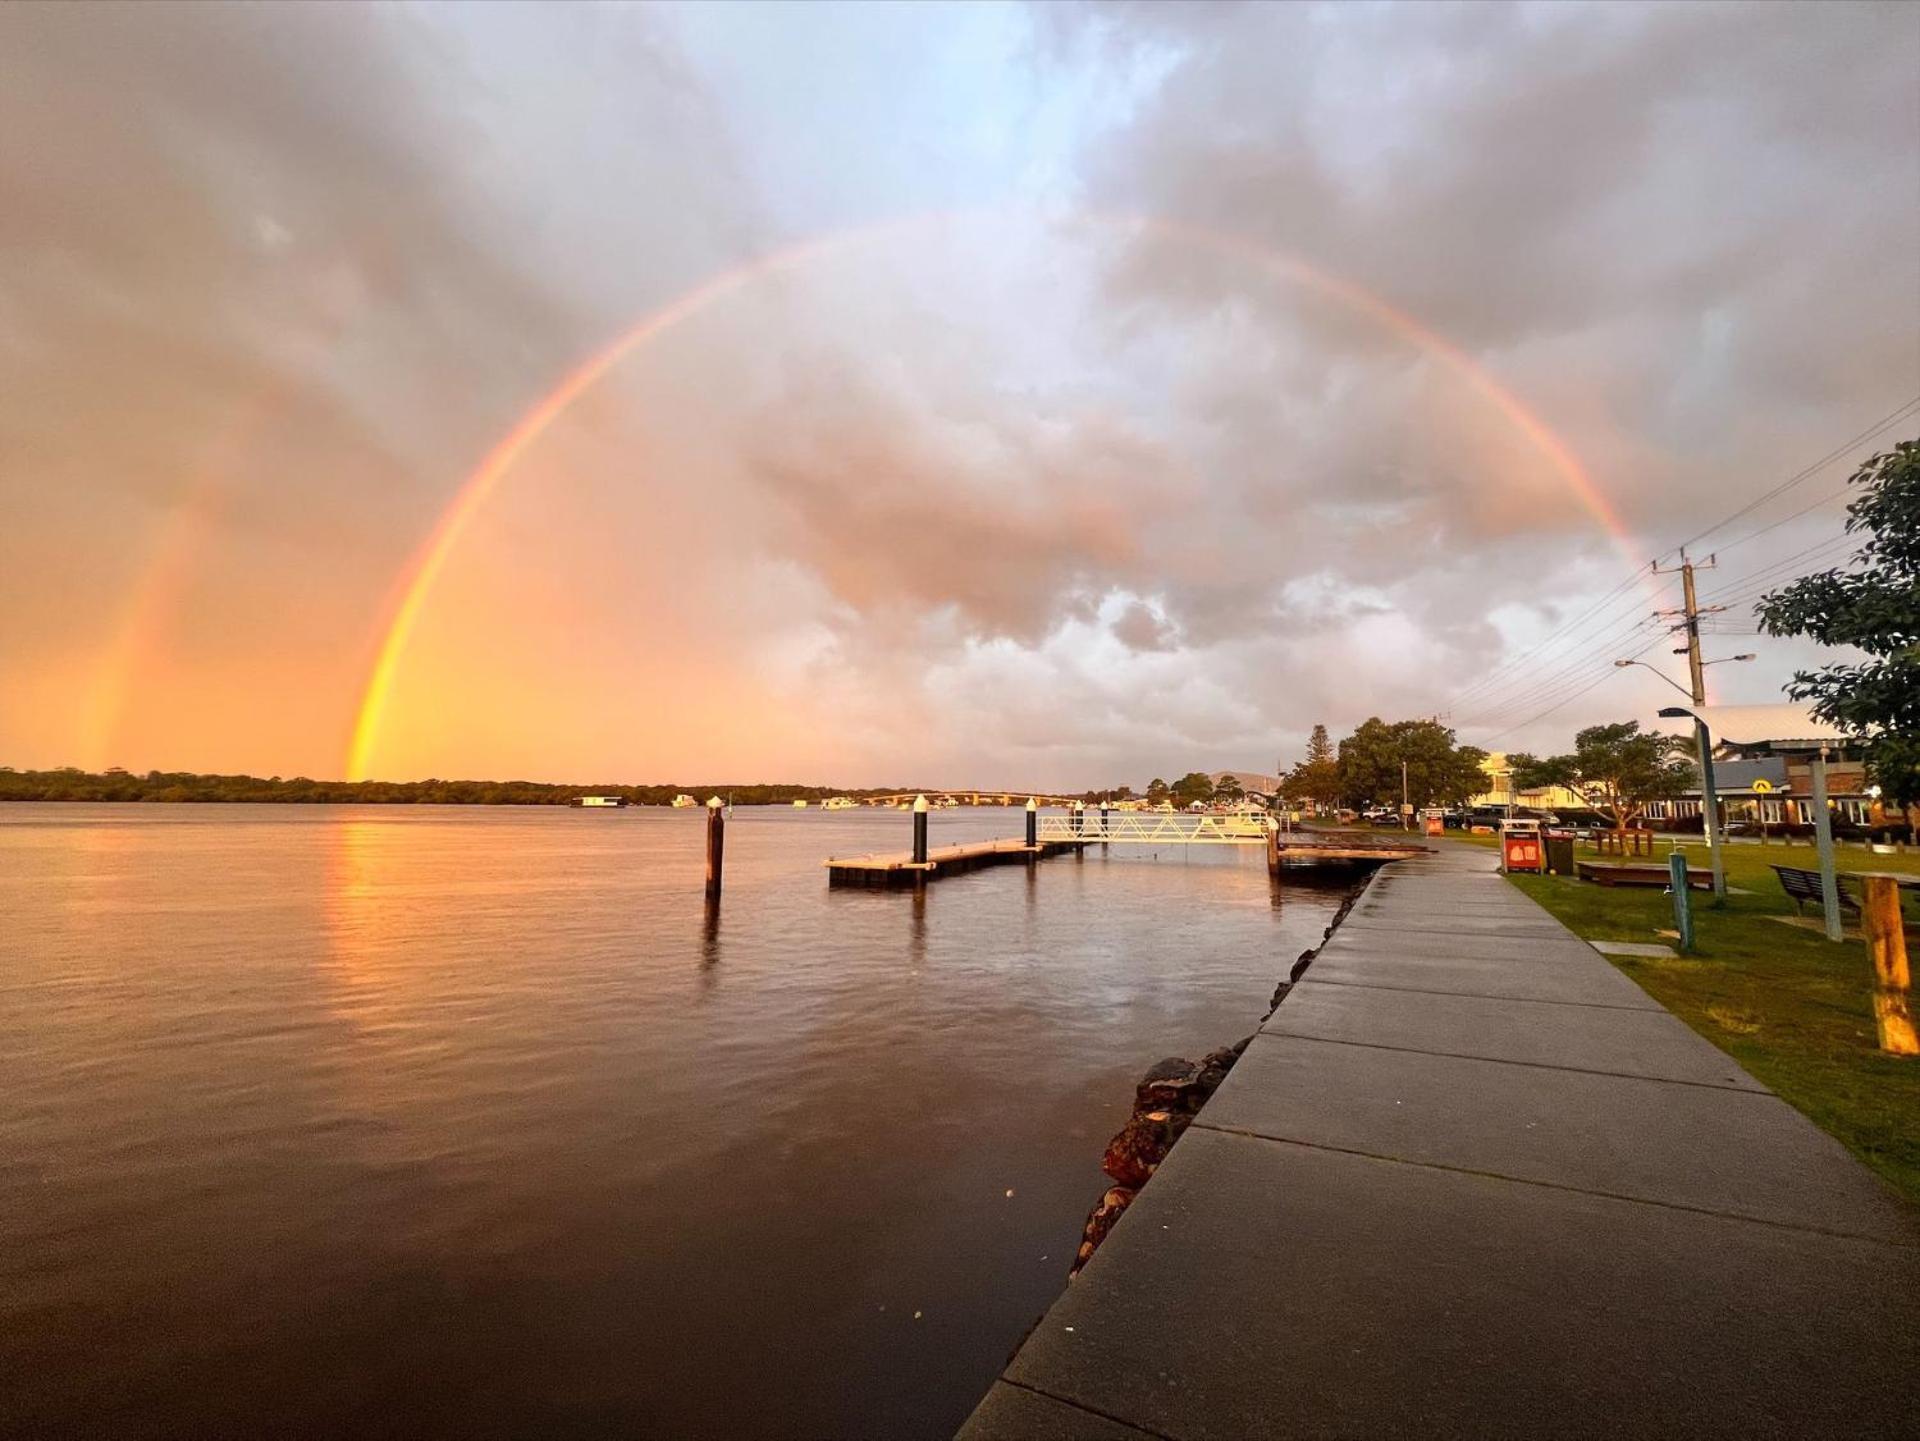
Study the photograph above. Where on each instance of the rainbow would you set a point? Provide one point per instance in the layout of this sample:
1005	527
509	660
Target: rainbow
430	559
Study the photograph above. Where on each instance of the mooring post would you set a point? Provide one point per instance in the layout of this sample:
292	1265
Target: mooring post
1273	849
1682	901
1033	823
716	848
919	830
1887	945
1103	825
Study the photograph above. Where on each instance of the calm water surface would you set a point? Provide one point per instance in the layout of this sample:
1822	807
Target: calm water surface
461	1121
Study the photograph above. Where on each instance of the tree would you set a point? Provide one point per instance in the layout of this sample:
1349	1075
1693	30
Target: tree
1317	778
1620	771
1228	788
1157	790
1437	771
1191	787
1873	605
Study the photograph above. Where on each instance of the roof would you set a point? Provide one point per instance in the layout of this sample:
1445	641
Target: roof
1786	726
1739	775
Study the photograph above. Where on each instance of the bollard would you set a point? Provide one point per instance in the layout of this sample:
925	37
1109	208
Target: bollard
1273	849
1881	924
1682	900
1033	823
919	830
1823	843
716	848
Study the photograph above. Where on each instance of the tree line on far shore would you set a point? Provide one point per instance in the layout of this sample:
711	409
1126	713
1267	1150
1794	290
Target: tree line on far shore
69	783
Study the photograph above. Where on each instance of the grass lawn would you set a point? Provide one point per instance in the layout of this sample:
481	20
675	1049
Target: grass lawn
1790	1006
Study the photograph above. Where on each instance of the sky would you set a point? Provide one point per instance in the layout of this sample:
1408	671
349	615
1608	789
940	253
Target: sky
1029	396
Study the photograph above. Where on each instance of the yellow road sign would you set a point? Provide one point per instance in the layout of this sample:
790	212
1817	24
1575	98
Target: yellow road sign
1763	786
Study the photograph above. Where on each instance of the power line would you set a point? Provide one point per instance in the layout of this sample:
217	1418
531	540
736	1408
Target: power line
1570	698
1743	582
1791	481
1505	668
1574	668
1828	499
1596	659
1572	654
1531	688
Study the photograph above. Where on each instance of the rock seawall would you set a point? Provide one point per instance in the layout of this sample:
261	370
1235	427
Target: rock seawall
1165	1103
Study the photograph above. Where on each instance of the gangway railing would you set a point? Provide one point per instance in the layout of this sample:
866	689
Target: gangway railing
1148	828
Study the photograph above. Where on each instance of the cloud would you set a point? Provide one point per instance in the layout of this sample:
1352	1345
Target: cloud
271	279
1692	211
1031	497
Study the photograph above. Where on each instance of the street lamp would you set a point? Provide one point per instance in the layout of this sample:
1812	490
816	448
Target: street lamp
1623	664
1703	744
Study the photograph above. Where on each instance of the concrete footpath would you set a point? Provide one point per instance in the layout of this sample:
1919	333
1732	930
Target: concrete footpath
1470	1180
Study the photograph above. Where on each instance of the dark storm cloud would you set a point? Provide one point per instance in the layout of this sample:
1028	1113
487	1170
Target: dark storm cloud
1684	235
1663	220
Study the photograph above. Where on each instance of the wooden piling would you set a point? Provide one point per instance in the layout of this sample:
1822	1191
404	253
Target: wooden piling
1678	882
716	848
1273	849
1881	924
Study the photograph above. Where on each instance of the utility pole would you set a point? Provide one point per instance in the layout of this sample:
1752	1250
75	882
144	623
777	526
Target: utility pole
1697	674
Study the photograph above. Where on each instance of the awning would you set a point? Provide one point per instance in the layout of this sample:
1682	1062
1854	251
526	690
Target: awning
1783	727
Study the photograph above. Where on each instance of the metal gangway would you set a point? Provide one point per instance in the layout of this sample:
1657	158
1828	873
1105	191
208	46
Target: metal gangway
1201	828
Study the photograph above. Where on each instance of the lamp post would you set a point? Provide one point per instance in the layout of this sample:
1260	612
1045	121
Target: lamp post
1703	743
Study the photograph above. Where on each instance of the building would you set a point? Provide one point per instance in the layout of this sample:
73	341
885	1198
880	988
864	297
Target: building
1754	788
1500	790
1252	781
1764	761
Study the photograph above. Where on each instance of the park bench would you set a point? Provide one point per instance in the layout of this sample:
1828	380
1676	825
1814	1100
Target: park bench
1607	873
1802	886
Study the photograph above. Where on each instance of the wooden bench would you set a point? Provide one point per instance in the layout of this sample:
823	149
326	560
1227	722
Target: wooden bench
1802	886
1617	843
1607	873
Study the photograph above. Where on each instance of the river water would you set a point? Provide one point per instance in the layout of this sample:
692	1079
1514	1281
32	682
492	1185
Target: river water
462	1121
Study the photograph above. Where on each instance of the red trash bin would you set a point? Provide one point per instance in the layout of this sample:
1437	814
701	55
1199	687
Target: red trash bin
1522	851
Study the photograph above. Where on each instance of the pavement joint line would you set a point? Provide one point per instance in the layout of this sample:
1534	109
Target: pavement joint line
1202	1121
1429	925
1090	1410
1308	978
1533	933
1507	1061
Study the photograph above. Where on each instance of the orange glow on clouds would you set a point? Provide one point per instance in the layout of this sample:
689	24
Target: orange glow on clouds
420	577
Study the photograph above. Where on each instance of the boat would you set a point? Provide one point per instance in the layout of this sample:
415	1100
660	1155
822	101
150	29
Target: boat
598	802
799	805
840	803
683	802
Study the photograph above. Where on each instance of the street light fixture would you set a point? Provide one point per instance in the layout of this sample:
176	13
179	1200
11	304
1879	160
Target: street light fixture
1703	745
1622	664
